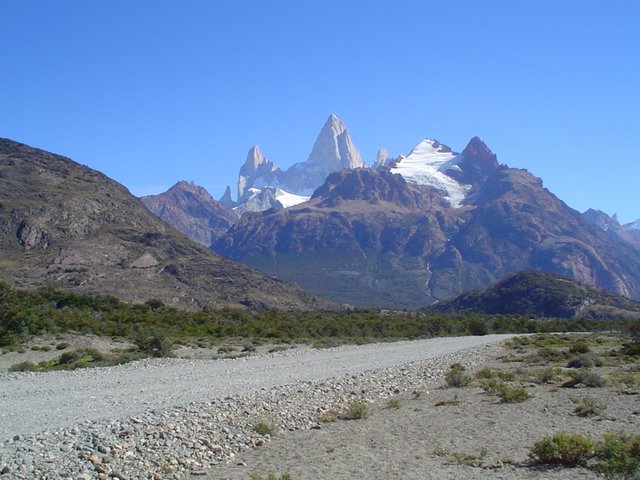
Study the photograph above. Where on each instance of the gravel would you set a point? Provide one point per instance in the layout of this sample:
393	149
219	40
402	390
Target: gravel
170	418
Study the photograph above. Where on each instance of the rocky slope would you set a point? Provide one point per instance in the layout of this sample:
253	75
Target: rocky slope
64	224
374	238
191	210
542	294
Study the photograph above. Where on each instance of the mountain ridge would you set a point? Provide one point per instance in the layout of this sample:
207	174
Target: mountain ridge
66	225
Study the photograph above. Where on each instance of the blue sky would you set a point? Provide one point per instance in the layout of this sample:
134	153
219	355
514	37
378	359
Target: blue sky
152	92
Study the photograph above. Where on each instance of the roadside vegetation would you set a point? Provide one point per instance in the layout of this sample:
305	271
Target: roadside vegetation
23	314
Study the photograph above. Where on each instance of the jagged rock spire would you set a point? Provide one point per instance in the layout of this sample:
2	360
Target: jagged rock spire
333	149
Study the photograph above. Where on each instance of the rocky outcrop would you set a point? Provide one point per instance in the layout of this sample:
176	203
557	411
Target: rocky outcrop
226	199
333	150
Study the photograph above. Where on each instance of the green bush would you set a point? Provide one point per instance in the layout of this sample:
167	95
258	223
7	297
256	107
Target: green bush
264	428
62	346
154	345
456	376
356	410
568	450
619	454
509	394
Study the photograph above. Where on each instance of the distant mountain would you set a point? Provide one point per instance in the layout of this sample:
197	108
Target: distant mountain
192	211
611	225
263	185
66	225
426	227
256	173
633	225
541	294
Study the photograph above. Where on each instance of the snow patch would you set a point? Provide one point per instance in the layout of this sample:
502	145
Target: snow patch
290	199
427	164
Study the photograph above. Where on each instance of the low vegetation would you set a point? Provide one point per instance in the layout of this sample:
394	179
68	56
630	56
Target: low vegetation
356	410
617	455
154	325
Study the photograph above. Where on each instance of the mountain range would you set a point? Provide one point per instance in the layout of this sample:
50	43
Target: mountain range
65	225
417	228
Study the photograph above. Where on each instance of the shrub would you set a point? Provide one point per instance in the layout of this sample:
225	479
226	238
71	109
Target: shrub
456	377
490	385
356	410
154	345
620	455
564	449
582	361
485	373
589	407
509	394
24	367
546	375
62	346
584	378
580	346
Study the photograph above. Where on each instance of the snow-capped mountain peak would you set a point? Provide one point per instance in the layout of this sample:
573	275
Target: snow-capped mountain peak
427	164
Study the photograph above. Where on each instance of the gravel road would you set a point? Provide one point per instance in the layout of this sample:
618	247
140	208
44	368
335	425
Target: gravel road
34	402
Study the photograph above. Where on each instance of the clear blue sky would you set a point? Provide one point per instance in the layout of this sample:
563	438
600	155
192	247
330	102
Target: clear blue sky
152	92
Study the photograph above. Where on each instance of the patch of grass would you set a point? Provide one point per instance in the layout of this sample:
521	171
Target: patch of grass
356	410
562	449
450	401
456	376
62	346
328	417
271	476
589	407
485	373
264	428
468	458
393	403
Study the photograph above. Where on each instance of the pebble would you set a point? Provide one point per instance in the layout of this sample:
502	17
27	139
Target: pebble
183	441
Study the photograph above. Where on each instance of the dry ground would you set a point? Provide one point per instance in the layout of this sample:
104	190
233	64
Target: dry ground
475	436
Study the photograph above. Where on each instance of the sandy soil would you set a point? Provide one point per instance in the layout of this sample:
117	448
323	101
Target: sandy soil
475	439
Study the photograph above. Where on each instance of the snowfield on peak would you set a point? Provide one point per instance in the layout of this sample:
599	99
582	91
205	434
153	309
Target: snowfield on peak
427	164
290	199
